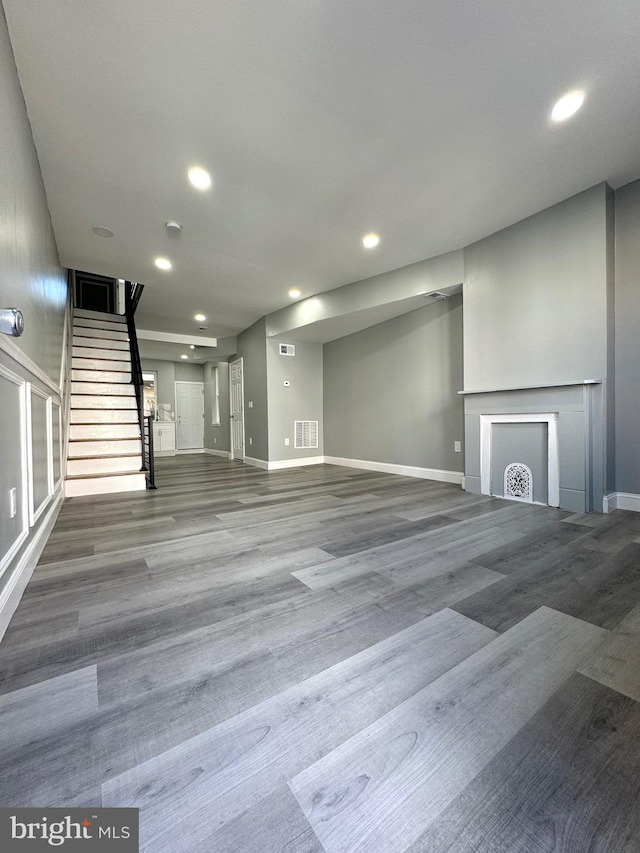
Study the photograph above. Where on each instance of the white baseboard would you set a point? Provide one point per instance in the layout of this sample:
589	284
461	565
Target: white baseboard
621	500
278	465
257	463
404	470
222	453
22	571
190	450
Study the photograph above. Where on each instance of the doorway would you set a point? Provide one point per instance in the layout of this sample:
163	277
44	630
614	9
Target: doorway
236	399
95	292
189	415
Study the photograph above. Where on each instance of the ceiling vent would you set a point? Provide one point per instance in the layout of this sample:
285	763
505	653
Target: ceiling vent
305	434
287	349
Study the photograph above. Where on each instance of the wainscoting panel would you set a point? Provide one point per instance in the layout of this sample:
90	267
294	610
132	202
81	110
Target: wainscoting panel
31	485
40	453
14	518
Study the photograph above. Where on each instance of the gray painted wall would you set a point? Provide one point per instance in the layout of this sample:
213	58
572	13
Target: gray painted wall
252	347
32	280
30	275
170	372
166	371
627	274
301	400
535	298
216	436
390	391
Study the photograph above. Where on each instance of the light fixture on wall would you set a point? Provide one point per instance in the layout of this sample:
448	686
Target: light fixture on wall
11	322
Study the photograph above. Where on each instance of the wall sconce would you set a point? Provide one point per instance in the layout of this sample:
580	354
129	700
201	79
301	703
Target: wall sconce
11	322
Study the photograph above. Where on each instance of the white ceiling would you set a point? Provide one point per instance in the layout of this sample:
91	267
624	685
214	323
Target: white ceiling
320	120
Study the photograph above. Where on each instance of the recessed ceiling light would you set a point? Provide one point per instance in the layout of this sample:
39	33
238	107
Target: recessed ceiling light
163	263
294	293
567	105
370	241
200	318
199	177
102	231
192	346
184	356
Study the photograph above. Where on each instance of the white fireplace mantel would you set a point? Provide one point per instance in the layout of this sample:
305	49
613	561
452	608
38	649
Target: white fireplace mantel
530	387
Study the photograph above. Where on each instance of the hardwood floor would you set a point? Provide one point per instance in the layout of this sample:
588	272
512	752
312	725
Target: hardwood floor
328	660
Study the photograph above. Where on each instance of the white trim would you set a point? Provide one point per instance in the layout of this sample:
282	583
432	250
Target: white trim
402	470
222	453
621	500
186	452
6	558
295	463
14	352
383	467
257	463
60	481
11	594
35	513
531	387
553	463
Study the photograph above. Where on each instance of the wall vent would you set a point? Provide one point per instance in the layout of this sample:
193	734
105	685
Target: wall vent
287	349
305	434
518	482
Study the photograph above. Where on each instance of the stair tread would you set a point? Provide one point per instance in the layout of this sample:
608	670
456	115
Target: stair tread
102	474
107	456
119	438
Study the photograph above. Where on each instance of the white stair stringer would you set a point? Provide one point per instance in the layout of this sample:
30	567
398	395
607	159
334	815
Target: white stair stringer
105	445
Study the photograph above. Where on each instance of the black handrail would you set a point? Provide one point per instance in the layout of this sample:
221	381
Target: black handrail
132	294
147	453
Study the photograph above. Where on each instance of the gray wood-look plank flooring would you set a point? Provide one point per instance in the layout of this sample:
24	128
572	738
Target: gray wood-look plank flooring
325	659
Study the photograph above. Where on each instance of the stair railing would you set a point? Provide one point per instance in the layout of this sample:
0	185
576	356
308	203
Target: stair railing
132	294
147	452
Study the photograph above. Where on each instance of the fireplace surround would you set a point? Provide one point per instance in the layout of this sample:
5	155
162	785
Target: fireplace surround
572	417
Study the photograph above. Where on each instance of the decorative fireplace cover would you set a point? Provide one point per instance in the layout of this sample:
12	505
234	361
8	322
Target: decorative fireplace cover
518	482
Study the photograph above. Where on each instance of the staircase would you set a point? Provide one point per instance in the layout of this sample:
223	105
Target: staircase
105	450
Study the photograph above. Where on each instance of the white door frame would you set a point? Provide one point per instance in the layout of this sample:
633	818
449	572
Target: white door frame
175	393
239	361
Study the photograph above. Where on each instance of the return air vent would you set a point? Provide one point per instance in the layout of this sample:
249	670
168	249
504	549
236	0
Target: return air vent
287	349
306	434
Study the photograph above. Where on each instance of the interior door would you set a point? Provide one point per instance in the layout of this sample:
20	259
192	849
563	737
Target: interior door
189	415
236	396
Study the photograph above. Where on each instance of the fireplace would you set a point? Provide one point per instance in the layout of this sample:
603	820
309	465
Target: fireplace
540	444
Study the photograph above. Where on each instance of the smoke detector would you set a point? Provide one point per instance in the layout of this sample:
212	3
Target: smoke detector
173	227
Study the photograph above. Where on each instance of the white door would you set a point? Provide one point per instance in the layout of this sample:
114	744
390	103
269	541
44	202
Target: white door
189	415
236	397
